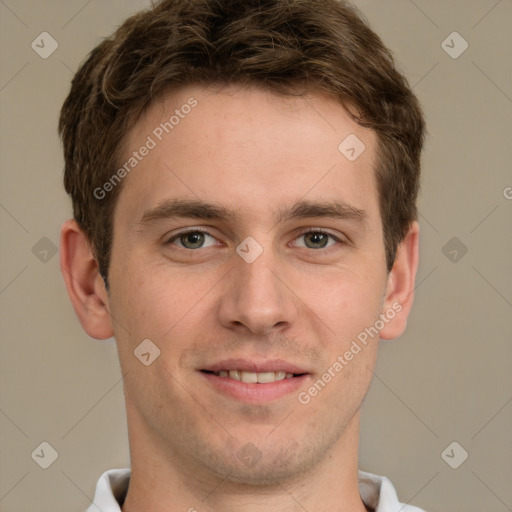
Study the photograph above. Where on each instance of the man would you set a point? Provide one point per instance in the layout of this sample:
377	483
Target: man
244	177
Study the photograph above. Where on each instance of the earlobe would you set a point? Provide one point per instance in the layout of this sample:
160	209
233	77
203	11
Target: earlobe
400	287
83	282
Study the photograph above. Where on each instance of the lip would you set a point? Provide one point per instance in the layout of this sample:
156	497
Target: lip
246	365
255	393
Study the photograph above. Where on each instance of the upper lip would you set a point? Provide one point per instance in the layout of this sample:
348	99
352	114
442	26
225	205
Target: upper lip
264	366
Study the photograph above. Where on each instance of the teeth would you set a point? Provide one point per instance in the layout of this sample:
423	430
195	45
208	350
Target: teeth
249	377
235	374
252	377
263	378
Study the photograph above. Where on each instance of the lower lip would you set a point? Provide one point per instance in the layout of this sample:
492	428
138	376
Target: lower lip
253	392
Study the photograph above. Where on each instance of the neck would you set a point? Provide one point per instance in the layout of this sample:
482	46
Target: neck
161	482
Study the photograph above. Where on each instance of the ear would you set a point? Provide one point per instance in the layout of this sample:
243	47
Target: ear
85	286
400	287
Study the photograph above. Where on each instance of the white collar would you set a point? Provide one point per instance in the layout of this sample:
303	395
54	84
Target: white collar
376	492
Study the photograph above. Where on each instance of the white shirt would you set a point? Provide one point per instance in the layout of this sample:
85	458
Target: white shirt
377	492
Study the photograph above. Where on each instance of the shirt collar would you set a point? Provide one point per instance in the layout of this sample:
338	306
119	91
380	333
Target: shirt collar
377	492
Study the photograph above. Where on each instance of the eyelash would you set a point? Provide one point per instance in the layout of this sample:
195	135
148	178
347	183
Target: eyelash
206	232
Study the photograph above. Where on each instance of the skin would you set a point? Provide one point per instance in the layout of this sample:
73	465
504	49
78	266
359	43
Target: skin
252	151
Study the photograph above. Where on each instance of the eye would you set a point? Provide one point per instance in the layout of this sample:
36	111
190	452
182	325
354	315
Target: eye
192	239
317	239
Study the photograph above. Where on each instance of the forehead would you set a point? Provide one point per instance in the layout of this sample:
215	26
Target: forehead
250	149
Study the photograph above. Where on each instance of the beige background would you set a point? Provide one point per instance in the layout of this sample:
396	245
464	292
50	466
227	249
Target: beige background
447	379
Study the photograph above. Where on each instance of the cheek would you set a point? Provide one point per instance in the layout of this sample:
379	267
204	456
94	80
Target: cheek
350	305
347	302
156	303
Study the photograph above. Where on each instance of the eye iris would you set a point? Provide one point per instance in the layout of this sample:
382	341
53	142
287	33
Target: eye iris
195	238
317	238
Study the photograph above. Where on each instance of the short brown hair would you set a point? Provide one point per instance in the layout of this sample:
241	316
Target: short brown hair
277	44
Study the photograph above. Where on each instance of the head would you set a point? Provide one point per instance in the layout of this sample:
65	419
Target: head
281	46
242	105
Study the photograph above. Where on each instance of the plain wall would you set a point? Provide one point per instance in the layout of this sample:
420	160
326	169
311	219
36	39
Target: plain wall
446	379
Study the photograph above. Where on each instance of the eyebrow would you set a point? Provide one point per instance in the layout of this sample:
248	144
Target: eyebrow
195	209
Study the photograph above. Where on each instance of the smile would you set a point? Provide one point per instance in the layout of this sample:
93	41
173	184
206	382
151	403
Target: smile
255	382
253	377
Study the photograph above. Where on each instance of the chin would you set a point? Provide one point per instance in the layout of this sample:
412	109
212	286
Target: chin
268	467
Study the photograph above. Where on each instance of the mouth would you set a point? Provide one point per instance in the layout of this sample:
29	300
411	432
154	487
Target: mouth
254	382
254	377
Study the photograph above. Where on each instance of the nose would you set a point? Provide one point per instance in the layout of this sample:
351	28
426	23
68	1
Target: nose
256	297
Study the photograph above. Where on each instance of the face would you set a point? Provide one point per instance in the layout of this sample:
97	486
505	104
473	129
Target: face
246	246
